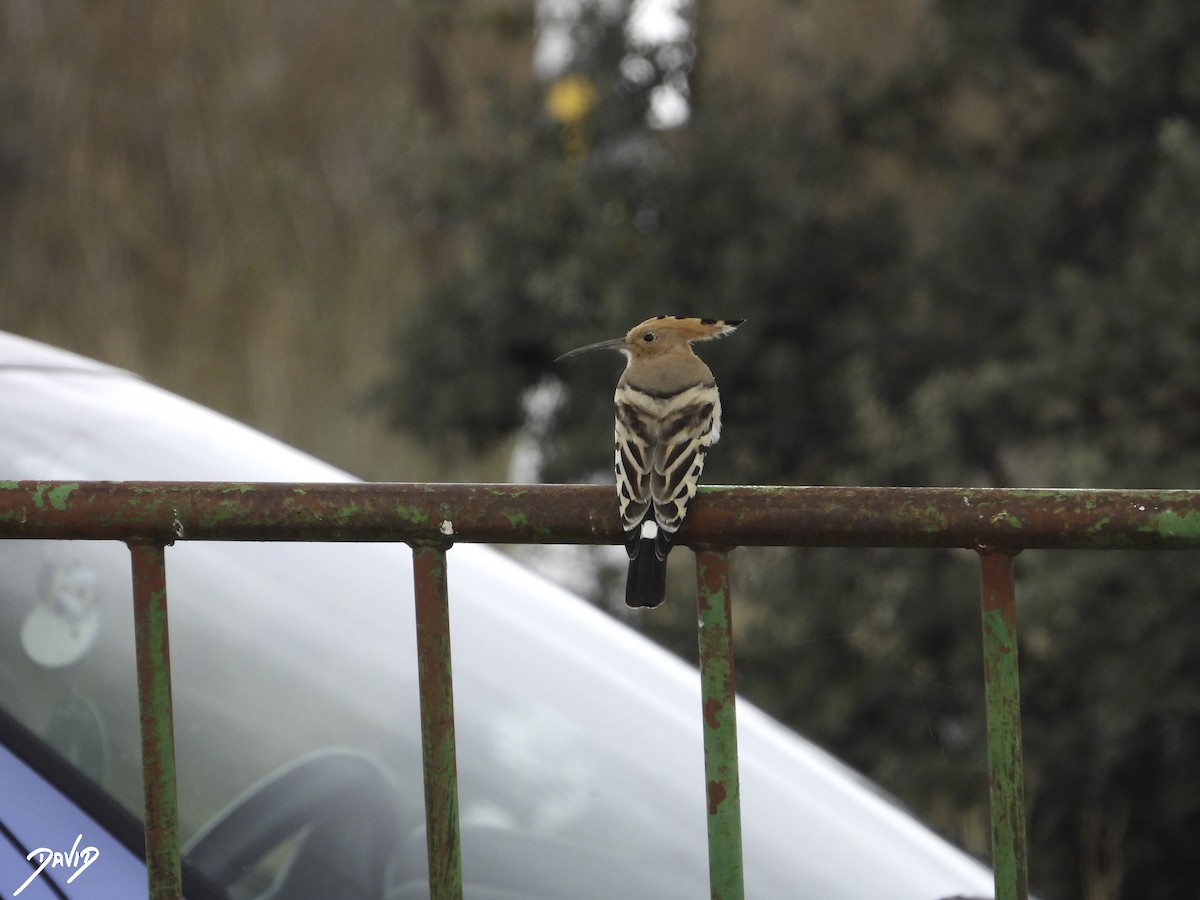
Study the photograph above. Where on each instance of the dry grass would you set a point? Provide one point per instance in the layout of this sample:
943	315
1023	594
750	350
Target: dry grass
193	198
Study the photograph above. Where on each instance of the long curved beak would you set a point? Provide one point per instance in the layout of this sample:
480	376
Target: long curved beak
614	344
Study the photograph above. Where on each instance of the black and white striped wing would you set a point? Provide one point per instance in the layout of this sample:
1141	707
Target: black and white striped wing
693	425
634	452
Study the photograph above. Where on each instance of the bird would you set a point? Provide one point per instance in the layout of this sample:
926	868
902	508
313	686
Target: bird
668	415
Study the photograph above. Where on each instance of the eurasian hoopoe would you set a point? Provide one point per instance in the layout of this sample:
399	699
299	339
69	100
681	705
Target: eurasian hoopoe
668	415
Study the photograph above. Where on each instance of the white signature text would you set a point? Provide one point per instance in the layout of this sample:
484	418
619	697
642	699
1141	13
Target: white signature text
77	858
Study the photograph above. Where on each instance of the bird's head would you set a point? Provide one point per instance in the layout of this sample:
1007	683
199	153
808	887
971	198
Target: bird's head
662	334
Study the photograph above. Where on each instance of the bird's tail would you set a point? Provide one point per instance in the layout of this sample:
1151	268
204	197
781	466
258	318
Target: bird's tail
646	585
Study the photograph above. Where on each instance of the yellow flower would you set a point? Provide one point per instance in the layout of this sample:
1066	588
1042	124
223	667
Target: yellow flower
570	99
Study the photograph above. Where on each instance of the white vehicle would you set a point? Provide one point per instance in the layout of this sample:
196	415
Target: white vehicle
296	719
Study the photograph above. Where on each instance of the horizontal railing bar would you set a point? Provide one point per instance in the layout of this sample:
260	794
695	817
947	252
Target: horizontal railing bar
584	514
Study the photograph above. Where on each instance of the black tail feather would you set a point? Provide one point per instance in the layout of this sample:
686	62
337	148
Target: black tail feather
646	585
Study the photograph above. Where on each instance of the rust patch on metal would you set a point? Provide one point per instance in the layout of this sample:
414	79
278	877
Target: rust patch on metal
716	796
712	709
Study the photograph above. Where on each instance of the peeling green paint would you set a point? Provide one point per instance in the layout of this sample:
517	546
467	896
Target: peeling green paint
1172	524
413	514
60	494
57	493
934	520
516	519
224	511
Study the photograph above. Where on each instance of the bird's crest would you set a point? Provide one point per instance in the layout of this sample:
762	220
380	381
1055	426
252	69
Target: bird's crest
688	328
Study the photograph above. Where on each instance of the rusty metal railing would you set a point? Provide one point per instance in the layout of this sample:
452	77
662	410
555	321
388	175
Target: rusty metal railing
996	523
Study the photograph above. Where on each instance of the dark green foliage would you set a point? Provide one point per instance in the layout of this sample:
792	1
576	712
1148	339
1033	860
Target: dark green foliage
1035	320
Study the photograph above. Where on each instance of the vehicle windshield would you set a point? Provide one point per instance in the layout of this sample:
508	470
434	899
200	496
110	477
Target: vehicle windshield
579	749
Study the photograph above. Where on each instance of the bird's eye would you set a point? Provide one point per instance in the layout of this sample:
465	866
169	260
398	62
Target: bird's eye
649	337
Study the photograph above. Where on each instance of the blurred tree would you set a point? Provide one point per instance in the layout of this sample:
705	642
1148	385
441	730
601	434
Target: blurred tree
976	267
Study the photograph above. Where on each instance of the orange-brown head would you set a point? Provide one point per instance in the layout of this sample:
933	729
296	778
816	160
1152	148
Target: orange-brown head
662	335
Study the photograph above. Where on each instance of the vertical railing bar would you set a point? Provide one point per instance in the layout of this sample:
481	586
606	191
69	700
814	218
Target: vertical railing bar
718	705
1003	699
437	723
153	656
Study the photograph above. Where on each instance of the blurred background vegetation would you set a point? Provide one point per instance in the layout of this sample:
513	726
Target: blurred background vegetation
964	235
